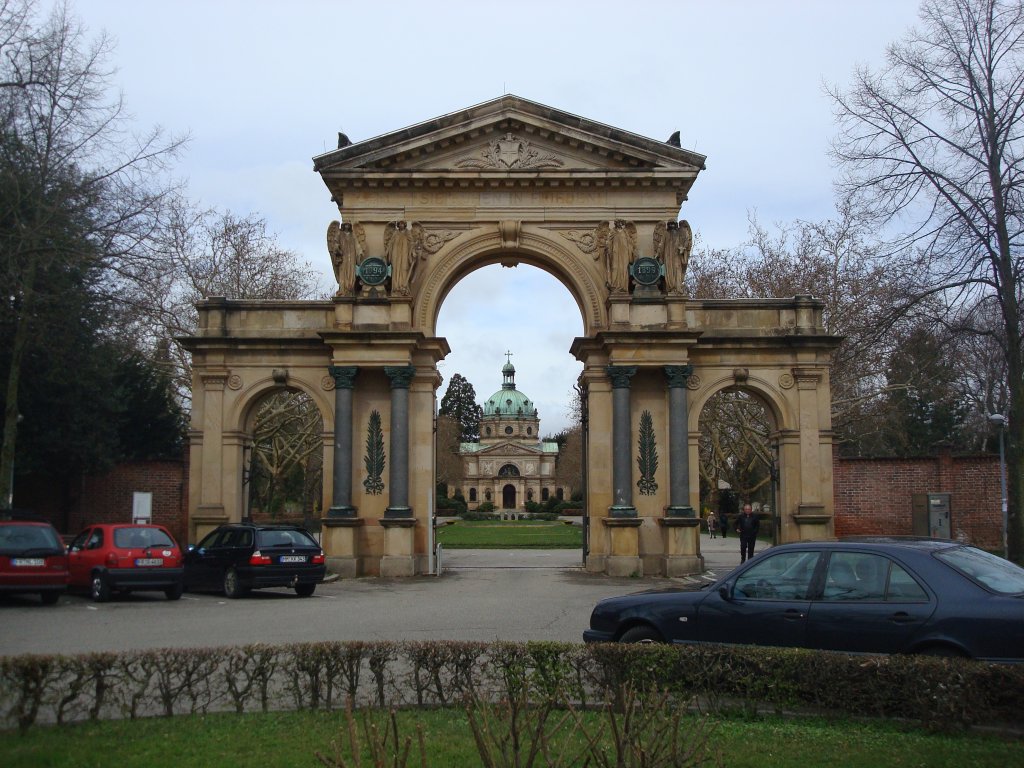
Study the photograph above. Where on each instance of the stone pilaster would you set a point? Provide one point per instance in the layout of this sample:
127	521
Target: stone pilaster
398	490
344	380
622	476
678	448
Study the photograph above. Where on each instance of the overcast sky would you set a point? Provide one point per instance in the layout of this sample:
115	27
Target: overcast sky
264	85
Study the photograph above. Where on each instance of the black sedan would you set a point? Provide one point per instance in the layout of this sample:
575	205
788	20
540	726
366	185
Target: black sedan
244	556
877	595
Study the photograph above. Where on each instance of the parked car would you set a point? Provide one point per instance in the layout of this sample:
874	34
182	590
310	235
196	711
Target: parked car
125	557
872	595
32	560
244	556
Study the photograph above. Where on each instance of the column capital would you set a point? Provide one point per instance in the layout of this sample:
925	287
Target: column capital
344	375
620	375
400	375
678	375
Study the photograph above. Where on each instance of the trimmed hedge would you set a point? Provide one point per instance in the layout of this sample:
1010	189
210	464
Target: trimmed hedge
946	693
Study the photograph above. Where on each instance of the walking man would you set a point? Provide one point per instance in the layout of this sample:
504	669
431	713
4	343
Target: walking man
747	525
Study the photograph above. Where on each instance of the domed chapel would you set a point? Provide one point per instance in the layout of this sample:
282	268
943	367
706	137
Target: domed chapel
511	464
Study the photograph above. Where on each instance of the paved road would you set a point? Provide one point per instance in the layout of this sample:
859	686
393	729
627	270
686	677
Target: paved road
514	595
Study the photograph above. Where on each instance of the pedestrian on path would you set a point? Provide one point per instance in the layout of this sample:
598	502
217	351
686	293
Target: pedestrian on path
747	526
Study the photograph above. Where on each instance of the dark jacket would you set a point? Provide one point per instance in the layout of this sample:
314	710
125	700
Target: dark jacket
748	525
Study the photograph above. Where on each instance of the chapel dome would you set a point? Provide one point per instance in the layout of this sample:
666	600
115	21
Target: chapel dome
509	401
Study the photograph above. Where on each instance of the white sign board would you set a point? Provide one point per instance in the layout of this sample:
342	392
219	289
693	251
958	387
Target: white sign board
142	507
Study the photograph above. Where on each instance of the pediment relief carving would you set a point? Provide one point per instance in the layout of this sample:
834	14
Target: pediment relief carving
511	152
507	449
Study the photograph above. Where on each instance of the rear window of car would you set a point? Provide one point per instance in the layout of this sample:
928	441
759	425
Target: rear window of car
140	538
988	570
269	538
21	539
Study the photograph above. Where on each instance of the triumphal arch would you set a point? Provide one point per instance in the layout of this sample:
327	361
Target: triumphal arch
512	182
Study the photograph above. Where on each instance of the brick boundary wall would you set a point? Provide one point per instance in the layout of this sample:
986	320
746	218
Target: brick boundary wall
873	496
107	497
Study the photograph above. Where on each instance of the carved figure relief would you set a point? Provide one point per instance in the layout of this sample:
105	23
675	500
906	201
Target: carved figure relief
346	244
617	242
402	249
511	152
672	245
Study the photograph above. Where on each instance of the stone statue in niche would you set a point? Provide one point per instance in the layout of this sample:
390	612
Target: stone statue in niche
402	249
346	244
617	242
672	245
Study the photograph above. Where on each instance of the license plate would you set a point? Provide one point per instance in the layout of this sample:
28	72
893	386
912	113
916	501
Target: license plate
31	562
293	558
144	561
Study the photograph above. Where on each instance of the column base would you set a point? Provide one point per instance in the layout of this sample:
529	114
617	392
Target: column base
623	566
397	567
681	545
622	510
401	513
680	511
684	565
398	560
338	539
205	519
343	511
623	546
812	523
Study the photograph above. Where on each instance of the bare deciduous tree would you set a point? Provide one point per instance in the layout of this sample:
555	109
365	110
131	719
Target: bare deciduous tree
203	252
933	143
70	161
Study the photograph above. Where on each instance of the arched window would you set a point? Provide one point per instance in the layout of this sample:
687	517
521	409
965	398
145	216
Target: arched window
472	494
509	470
544	494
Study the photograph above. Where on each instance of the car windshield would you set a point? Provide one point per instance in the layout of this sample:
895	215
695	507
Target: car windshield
29	539
990	571
141	538
284	538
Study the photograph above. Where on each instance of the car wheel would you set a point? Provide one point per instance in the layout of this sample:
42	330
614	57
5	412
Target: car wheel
304	590
174	593
233	585
49	598
641	634
99	589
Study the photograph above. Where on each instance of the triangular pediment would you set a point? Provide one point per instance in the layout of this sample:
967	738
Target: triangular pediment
507	136
509	449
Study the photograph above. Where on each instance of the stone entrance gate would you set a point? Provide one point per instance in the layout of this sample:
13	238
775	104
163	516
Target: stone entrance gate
512	182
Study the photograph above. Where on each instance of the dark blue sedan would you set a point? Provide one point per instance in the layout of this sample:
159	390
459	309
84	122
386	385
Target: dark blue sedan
869	595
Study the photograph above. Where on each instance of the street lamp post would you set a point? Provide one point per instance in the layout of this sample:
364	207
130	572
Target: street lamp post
999	421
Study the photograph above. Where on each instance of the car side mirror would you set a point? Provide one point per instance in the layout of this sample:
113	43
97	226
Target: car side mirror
724	593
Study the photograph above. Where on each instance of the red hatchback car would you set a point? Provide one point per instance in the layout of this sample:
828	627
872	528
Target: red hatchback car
32	560
125	557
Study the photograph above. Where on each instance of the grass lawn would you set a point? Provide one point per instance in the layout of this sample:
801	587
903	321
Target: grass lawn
510	534
293	738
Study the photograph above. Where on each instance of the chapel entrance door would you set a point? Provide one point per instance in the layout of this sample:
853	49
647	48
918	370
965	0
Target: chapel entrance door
508	497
